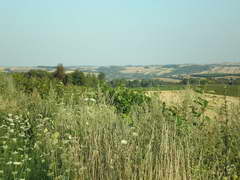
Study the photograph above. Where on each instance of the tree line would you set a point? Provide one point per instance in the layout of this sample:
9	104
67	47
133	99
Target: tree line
75	78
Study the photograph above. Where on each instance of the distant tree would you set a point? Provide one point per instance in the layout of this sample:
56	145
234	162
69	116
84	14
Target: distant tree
37	74
91	80
78	78
101	76
68	79
60	73
118	82
185	81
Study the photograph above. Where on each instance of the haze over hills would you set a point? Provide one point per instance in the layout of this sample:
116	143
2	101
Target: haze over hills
172	71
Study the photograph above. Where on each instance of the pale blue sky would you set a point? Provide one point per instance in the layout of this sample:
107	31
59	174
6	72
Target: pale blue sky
118	32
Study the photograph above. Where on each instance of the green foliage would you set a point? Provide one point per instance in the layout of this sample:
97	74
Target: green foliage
90	80
41	85
78	78
101	76
41	74
124	99
194	108
140	83
62	136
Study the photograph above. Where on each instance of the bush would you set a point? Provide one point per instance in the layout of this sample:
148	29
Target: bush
124	99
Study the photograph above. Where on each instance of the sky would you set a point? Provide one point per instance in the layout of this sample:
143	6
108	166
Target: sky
118	32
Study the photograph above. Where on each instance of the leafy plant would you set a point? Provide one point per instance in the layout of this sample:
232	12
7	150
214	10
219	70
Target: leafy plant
124	99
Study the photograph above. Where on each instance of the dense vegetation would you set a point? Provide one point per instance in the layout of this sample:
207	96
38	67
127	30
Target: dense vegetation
75	126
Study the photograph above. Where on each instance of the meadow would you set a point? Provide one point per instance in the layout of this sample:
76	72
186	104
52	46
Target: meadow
53	131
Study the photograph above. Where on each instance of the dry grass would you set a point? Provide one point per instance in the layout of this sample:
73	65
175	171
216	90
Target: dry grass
216	102
56	138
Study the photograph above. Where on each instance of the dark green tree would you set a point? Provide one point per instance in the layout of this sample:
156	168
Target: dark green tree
60	73
101	76
78	78
37	74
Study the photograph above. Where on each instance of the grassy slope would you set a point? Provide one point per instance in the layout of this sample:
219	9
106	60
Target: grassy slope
68	138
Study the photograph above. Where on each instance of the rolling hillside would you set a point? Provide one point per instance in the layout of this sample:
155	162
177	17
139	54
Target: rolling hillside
172	71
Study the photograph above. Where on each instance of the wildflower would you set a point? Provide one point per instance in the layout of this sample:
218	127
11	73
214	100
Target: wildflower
132	128
14	139
14	172
15	152
10	119
135	134
36	146
9	115
67	170
124	142
11	130
45	130
22	135
9	163
86	99
20	149
17	163
90	100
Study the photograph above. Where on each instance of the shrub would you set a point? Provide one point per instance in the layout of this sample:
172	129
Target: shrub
124	99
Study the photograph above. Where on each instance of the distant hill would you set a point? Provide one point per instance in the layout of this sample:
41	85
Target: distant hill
172	71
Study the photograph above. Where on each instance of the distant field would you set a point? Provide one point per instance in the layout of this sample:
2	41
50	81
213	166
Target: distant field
147	70
221	89
215	102
169	80
216	89
231	69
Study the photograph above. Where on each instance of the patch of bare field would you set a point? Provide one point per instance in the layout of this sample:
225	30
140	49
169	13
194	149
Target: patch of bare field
216	103
21	69
169	80
229	77
146	70
88	68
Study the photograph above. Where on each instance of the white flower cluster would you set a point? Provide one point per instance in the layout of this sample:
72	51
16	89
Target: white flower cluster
90	100
124	142
15	143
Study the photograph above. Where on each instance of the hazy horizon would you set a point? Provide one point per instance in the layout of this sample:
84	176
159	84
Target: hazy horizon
55	65
103	33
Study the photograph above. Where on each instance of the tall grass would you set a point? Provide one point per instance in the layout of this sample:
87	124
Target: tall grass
70	138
